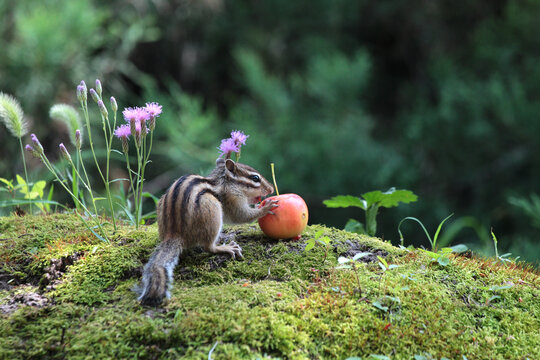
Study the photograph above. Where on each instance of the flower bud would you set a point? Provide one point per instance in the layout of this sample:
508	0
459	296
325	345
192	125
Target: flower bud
32	151
94	94
144	130
114	105
78	139
125	145
132	127
82	92
64	152
138	137
102	108
37	144
98	87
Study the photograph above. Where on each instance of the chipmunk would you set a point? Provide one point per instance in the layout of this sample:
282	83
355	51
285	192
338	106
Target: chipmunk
191	213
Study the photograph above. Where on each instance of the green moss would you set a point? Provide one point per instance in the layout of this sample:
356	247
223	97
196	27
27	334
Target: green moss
278	302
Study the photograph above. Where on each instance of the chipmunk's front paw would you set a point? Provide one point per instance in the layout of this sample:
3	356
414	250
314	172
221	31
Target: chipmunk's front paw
268	206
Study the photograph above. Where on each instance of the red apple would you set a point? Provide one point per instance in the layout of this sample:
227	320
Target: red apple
289	220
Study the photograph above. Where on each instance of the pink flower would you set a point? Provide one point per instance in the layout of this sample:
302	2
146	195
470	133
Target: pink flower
239	137
136	114
233	144
228	146
123	131
153	108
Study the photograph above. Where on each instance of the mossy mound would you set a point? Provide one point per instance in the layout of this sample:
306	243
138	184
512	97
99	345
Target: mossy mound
66	295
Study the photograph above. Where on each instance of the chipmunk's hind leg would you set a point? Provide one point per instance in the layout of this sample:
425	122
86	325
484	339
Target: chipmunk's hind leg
231	248
206	227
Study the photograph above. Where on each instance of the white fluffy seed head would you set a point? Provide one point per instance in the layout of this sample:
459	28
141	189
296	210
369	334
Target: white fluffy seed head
12	115
68	115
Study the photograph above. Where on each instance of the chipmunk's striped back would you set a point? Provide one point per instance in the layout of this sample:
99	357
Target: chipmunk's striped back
182	199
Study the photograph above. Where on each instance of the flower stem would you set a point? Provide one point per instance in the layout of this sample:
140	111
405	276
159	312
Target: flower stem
25	174
106	182
274	178
49	166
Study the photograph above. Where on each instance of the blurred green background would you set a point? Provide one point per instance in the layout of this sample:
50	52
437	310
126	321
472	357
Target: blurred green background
345	97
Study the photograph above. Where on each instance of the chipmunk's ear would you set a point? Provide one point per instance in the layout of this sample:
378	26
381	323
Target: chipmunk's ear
220	161
230	165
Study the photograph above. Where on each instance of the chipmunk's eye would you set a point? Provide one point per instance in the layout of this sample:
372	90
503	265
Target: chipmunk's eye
255	178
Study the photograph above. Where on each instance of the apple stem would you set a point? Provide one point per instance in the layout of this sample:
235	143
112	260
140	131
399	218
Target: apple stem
274	178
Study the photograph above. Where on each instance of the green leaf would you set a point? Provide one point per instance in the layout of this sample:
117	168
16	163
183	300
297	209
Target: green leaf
309	245
14	202
151	196
344	201
360	255
118	152
502	287
419	222
20	180
439	230
354	358
9	183
39	187
118	179
355	226
459	248
31	195
378	357
380	306
390	198
431	254
383	261
127	212
343	260
443	260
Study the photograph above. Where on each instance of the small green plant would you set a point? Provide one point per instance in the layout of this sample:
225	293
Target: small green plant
383	264
387	303
370	202
346	263
433	242
33	194
319	240
494	290
440	256
504	258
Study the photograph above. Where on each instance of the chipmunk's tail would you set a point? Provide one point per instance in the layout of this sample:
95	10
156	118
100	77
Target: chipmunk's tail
158	273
